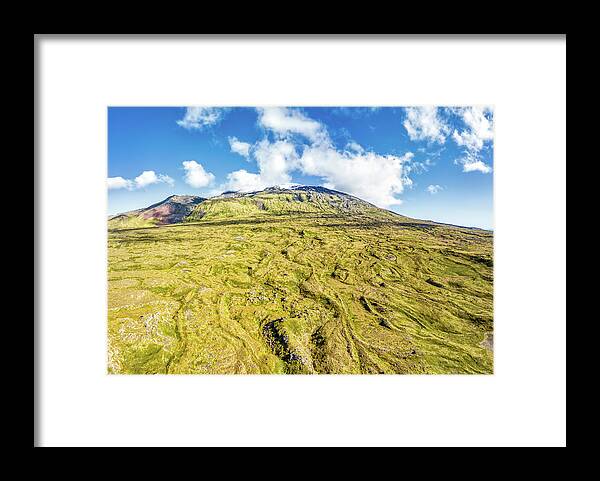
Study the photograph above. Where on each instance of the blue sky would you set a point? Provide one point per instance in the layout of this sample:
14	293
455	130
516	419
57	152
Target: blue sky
424	162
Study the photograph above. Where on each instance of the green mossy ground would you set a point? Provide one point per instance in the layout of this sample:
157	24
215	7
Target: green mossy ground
243	288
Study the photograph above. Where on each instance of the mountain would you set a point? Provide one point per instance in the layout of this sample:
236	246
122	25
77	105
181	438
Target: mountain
284	201
174	209
266	203
302	280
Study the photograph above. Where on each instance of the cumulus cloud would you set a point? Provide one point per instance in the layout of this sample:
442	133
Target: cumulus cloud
354	147
376	178
473	165
197	118
119	183
238	147
146	178
149	177
195	175
275	160
475	137
479	128
424	123
434	189
373	177
284	121
370	176
244	181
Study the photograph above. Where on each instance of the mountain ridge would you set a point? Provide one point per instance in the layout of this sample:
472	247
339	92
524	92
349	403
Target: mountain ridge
277	200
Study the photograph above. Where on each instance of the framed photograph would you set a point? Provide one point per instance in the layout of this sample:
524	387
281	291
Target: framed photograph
353	230
295	247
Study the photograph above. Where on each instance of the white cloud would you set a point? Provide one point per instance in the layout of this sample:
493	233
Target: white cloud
238	147
367	175
244	181
479	128
354	147
419	167
475	137
119	183
146	178
195	175
166	179
476	166
284	121
376	178
434	189
196	118
423	123
149	177
275	161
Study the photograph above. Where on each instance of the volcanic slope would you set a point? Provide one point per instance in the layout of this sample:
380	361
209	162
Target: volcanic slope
303	280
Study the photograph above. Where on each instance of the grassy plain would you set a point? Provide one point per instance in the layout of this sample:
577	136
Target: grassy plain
255	290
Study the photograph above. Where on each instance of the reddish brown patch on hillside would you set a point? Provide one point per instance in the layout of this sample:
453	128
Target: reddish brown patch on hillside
168	213
162	213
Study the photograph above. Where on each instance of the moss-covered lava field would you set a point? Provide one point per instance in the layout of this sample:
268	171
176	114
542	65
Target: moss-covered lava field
296	282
